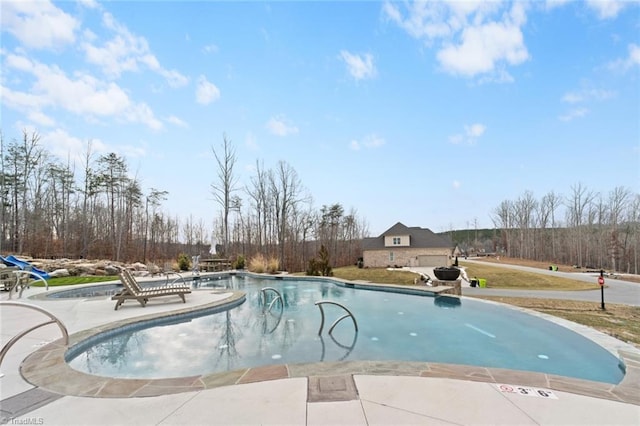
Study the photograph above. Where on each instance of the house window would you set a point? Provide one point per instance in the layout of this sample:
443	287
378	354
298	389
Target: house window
391	256
396	241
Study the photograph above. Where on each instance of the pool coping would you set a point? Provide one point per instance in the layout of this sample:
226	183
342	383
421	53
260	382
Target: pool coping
46	368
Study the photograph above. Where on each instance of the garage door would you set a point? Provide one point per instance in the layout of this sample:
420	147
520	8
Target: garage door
433	260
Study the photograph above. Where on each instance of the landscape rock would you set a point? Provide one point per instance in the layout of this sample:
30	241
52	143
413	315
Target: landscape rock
59	273
111	270
63	267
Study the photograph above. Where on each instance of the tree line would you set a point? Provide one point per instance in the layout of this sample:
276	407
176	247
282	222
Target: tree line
274	216
95	209
584	228
50	209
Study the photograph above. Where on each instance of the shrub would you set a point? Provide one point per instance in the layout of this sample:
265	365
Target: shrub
257	264
239	263
322	266
312	268
184	262
272	265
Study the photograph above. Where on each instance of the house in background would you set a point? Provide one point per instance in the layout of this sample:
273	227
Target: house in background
404	246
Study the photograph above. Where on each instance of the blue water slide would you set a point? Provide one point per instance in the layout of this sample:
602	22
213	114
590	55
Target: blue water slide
11	260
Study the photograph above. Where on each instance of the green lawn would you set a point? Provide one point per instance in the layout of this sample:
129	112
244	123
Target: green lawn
55	282
375	275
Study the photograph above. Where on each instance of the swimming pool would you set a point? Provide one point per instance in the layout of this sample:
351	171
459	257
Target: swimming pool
391	326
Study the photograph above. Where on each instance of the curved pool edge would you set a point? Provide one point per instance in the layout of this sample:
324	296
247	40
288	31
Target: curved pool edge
47	368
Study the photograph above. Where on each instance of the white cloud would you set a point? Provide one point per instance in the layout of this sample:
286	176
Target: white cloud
573	114
125	52
206	92
471	38
482	48
552	4
456	184
177	121
471	134
456	139
81	94
280	126
63	145
359	66
606	9
587	95
369	141
38	24
210	48
475	130
579	98
631	61
89	4
40	118
251	142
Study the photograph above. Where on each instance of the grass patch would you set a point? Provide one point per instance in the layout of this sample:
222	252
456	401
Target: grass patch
375	275
60	281
498	277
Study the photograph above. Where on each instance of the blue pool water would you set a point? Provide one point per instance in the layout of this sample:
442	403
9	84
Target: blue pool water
392	326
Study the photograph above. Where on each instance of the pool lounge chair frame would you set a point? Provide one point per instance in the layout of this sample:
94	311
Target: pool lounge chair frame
133	291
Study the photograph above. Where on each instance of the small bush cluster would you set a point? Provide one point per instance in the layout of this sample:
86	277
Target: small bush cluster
320	266
260	264
184	262
239	263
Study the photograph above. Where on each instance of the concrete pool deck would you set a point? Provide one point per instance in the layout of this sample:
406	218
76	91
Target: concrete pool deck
321	393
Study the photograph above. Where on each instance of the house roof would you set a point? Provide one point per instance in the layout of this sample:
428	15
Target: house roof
420	238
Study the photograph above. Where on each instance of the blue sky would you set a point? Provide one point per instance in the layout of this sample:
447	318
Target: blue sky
428	113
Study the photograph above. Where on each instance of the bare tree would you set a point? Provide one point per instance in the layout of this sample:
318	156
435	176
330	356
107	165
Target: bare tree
618	201
258	191
225	185
286	190
577	204
548	207
22	161
154	199
502	218
113	180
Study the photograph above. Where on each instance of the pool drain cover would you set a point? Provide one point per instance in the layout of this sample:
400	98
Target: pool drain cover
331	388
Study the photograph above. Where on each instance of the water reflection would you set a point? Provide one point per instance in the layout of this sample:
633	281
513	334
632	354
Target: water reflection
226	343
447	301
